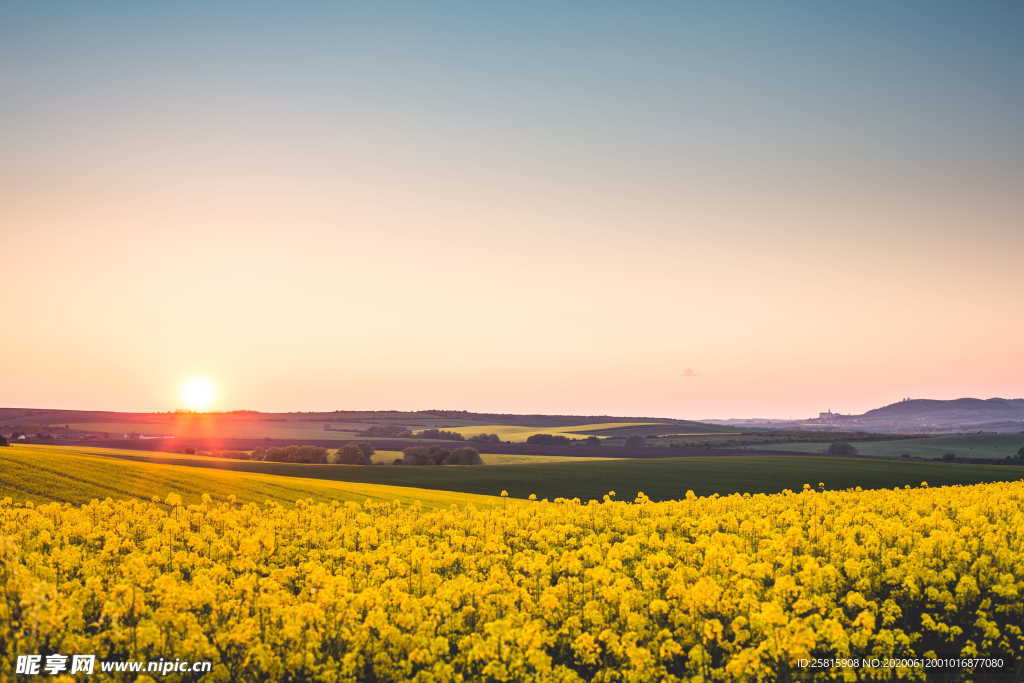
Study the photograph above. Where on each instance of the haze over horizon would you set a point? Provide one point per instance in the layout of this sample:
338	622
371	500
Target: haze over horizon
700	211
698	418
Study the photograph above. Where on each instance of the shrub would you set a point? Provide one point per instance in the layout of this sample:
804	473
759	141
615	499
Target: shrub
485	438
841	448
635	441
367	449
3	441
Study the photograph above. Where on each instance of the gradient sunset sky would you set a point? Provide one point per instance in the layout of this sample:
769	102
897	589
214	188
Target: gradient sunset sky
718	209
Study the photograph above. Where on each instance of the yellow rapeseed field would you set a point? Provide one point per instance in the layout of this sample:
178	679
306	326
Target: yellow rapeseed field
740	587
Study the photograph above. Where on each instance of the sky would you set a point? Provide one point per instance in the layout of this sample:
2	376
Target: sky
694	210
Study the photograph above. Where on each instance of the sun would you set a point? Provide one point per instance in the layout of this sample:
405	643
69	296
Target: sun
198	393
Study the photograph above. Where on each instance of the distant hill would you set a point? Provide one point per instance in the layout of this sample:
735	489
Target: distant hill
988	410
912	416
930	415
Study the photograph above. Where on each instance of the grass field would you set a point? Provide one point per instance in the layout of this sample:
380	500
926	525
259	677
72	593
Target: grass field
46	473
661	479
518	433
993	446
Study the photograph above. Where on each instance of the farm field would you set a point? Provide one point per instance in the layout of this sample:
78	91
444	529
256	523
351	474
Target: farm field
736	588
388	457
519	433
43	474
765	438
679	428
197	426
661	479
993	446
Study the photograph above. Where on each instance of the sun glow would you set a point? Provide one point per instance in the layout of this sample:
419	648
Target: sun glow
198	393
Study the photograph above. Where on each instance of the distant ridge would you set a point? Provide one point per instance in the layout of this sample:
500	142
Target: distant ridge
912	416
1000	407
934	415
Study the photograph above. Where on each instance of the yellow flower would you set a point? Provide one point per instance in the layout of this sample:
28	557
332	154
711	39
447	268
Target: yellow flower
716	588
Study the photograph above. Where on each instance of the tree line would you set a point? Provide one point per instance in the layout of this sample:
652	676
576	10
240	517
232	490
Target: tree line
435	455
352	454
349	454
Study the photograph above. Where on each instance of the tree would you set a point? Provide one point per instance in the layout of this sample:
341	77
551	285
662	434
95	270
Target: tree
1020	453
440	434
435	455
424	455
463	456
3	441
841	448
351	454
366	448
548	440
635	441
485	438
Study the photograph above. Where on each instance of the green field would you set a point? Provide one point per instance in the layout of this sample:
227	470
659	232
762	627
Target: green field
660	478
518	433
990	446
49	473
